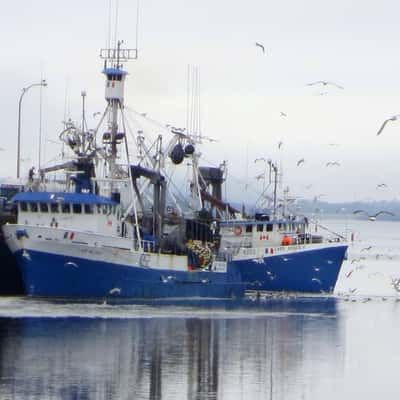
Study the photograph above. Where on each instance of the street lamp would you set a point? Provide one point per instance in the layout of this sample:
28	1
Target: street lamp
24	90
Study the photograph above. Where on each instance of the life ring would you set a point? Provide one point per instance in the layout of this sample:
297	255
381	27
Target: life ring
237	230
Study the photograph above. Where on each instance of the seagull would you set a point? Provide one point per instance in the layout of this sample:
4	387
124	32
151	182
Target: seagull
260	159
357	260
381	185
349	273
352	290
70	264
300	161
373	216
366	299
394	118
283	114
316	280
308	187
96	114
280	145
395	282
261	47
115	290
367	248
325	83
332	163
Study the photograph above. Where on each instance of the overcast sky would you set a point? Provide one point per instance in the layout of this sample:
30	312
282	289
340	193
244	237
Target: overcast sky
243	91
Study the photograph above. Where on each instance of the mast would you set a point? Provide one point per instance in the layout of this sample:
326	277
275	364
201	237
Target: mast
114	95
273	170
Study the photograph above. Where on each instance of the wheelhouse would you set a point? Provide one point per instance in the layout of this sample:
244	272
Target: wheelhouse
258	233
88	212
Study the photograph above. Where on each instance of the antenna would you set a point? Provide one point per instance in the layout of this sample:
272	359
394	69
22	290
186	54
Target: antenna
108	40
193	123
116	23
137	26
40	125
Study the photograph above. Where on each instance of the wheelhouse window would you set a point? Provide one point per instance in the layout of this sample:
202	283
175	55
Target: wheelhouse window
260	227
66	208
249	228
44	207
23	206
54	207
88	208
269	227
33	207
77	208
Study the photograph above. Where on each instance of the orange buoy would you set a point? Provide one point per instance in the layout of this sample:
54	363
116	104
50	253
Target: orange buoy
286	240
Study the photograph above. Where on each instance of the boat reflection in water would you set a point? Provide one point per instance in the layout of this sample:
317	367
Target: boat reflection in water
212	353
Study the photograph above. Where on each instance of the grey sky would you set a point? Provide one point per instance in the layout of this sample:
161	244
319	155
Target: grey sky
353	43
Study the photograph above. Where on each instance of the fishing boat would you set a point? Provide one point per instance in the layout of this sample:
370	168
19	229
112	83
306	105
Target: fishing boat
10	281
278	250
116	230
99	237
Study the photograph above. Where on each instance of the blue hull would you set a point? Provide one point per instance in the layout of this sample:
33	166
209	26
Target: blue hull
51	275
311	271
10	276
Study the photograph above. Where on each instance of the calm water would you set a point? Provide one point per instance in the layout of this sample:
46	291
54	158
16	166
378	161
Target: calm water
344	346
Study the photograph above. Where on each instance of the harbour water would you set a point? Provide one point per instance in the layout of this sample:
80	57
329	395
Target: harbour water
282	347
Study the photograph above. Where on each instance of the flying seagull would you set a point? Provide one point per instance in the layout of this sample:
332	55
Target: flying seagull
260	159
261	47
349	273
357	260
283	114
373	216
367	248
332	163
300	161
394	118
325	83
96	113
381	185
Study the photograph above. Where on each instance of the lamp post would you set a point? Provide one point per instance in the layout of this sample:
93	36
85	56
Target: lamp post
24	90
